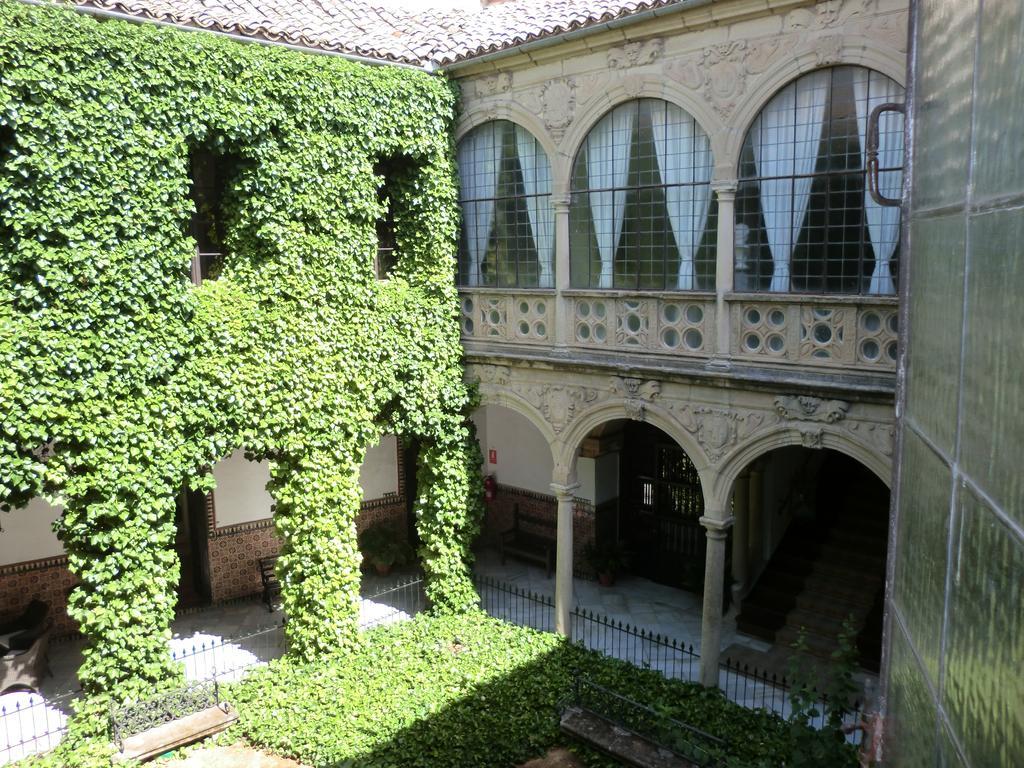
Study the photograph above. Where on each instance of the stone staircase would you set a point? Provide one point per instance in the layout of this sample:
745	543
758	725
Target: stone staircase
823	572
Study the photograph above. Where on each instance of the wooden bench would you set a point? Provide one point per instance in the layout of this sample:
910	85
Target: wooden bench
152	727
631	732
531	538
271	586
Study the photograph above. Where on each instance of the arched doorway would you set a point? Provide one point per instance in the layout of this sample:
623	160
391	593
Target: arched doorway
809	555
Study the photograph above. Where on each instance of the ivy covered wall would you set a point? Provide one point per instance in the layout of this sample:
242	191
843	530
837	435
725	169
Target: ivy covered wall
120	380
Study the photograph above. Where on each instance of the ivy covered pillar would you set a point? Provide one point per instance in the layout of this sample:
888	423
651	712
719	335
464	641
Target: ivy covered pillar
448	512
565	495
714	581
318	497
122	550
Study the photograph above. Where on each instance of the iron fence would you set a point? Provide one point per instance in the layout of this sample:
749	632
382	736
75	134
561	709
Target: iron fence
30	724
387	603
515	605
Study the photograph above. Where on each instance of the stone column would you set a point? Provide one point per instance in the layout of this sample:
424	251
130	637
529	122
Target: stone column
740	537
563	306
714	577
725	191
563	557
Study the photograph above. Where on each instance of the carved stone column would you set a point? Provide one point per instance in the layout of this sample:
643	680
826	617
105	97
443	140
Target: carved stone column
725	192
563	306
740	537
714	577
563	557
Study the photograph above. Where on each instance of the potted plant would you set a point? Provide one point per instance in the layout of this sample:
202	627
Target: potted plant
383	547
606	560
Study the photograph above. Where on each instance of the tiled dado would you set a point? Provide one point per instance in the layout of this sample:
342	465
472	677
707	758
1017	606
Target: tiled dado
498	518
852	334
235	550
48	580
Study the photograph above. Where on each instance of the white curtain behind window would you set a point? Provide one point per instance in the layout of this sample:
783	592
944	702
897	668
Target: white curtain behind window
785	138
680	146
478	176
869	90
608	149
537	182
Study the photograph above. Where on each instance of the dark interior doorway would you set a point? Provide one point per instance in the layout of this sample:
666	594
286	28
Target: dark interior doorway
410	462
661	505
191	546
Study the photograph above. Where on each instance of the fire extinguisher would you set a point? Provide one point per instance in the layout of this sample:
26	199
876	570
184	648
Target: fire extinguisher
490	488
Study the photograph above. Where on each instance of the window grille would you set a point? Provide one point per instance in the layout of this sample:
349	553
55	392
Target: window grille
805	221
641	214
508	221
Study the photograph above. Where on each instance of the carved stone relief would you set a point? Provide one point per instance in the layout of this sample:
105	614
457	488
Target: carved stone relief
638	394
635	54
881	436
555	104
721	71
558	403
492	374
492	85
806	408
827	15
718	429
828	50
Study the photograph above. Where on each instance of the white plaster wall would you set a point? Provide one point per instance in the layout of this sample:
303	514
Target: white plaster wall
524	457
241	495
28	533
379	473
586	476
606	478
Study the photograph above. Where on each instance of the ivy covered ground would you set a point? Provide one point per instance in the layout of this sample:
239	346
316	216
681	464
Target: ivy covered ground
471	691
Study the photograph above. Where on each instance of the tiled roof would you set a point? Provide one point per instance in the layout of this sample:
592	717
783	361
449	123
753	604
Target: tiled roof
365	28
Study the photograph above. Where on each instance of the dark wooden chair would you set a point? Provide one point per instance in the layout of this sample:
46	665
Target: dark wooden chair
271	586
19	634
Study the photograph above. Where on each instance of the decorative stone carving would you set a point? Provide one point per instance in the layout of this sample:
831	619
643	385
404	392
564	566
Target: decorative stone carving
492	374
828	50
638	394
722	71
891	30
555	103
492	85
806	408
717	429
635	54
558	403
827	15
881	436
810	438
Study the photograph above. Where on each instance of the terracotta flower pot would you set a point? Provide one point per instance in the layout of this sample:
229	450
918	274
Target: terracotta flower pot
382	569
606	579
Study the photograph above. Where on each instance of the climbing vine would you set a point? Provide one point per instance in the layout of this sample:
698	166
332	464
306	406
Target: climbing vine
120	380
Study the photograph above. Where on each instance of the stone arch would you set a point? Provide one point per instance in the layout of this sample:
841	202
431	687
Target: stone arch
514	402
627	89
835	439
853	50
565	458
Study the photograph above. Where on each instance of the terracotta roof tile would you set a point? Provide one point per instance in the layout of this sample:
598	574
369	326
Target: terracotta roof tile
361	27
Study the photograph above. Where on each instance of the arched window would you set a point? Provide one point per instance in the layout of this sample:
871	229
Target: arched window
641	215
804	218
508	224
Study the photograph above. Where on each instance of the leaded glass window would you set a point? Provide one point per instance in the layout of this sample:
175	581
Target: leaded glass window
642	214
804	219
508	223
